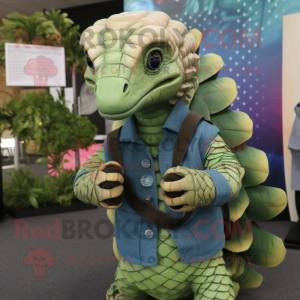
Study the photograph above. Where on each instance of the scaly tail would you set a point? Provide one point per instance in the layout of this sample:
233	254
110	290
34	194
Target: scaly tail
255	202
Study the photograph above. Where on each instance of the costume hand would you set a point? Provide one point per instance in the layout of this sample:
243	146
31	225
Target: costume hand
195	188
103	186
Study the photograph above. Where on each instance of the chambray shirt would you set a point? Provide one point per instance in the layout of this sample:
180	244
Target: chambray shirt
202	236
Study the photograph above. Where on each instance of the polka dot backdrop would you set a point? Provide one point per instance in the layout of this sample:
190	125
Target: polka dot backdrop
247	34
242	51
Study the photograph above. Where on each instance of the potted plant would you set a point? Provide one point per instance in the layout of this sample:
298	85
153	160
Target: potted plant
50	124
51	28
55	130
27	195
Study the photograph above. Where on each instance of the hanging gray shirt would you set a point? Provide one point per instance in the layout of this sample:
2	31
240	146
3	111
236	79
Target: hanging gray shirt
294	146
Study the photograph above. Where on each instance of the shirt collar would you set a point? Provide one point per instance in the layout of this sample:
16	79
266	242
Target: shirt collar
177	116
128	132
174	122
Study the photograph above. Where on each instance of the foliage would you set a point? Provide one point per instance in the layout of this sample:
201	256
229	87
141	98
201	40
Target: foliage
64	183
51	28
26	190
50	124
69	38
23	189
55	161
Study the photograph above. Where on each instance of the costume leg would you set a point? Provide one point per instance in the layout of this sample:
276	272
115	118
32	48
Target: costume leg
214	281
122	289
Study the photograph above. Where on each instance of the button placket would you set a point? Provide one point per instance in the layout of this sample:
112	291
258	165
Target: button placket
149	199
145	163
149	234
147	180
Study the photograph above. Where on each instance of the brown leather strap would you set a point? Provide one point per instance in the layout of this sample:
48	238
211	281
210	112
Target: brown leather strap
146	210
113	145
185	136
151	213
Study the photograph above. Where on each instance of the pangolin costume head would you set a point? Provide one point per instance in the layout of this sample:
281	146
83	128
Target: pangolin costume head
140	59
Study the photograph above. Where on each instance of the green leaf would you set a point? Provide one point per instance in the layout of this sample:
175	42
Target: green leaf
235	127
240	270
265	202
255	163
33	201
210	64
217	94
43	160
200	107
238	206
267	250
37	119
242	237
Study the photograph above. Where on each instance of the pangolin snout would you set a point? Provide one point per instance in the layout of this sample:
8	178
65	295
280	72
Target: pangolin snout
113	95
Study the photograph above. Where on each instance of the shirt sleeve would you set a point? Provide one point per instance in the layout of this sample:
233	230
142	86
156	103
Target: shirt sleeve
91	164
221	165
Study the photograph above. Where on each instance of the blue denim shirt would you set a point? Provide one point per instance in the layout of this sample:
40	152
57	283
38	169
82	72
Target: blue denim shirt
202	236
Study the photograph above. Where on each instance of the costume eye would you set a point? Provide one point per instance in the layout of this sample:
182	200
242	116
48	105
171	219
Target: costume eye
154	60
88	61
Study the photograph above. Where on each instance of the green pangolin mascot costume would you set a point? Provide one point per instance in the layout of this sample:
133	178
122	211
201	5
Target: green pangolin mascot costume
146	74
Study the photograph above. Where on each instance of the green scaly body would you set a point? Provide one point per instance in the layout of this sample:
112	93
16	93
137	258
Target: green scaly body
170	278
138	89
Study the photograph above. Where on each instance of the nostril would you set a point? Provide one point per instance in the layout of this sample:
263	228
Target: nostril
96	88
125	88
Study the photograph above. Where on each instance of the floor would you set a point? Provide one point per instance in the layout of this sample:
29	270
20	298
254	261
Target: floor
81	267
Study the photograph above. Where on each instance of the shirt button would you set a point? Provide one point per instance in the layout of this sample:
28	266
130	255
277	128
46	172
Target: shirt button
145	163
149	234
149	199
147	180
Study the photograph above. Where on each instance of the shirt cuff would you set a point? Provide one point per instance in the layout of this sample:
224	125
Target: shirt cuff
223	191
78	175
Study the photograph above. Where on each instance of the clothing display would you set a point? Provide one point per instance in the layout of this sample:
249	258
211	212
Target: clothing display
294	146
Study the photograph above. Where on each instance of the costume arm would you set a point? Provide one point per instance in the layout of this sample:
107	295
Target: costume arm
83	185
94	162
219	157
218	183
